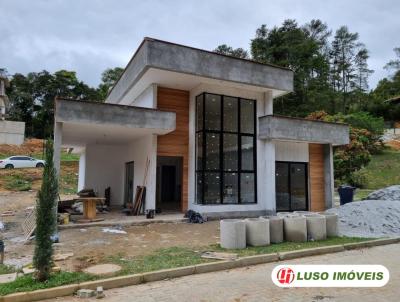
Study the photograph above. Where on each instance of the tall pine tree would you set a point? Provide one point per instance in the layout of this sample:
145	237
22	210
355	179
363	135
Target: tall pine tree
46	203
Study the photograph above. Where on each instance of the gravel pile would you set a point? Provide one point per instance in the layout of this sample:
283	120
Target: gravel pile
389	193
369	218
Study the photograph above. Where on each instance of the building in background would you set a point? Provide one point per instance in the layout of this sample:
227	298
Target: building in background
11	132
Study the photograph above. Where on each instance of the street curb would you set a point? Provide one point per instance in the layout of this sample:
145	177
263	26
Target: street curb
121	223
311	252
135	279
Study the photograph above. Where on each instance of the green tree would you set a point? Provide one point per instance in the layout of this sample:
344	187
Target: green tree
394	64
45	217
108	78
32	98
302	49
228	50
346	49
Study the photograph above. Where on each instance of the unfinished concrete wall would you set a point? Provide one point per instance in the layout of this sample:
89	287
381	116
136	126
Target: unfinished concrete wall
12	133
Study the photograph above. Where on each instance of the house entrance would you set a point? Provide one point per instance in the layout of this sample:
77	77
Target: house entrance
291	180
169	183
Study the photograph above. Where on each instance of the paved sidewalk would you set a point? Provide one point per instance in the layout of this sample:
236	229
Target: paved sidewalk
254	283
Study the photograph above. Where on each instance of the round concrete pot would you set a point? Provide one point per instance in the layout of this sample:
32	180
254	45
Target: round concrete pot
275	228
316	226
295	228
285	214
233	234
257	231
331	224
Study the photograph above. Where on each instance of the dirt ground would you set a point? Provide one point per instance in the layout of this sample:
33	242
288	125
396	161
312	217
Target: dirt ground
91	245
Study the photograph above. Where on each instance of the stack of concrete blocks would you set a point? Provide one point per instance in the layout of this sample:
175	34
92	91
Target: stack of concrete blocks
257	231
233	233
295	227
331	224
275	228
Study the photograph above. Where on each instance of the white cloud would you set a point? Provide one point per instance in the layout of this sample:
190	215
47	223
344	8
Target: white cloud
90	36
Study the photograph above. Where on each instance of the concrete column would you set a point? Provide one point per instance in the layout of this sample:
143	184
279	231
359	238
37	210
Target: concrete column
268	103
57	146
152	175
328	176
82	171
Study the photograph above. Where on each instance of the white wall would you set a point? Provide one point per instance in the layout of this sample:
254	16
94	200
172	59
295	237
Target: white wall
265	153
291	151
138	151
147	99
104	168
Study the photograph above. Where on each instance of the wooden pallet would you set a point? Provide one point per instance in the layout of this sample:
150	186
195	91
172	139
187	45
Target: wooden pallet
29	224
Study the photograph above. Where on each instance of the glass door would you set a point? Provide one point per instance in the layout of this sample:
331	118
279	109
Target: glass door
291	186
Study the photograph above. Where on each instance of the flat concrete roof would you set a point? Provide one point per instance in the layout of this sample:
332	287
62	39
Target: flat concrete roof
273	127
167	56
87	122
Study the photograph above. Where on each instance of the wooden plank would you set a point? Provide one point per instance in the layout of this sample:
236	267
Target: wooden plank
317	181
176	143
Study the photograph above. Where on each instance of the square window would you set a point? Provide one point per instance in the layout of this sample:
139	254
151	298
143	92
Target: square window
230	114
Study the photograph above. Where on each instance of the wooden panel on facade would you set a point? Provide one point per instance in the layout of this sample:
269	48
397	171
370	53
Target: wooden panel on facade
317	182
176	143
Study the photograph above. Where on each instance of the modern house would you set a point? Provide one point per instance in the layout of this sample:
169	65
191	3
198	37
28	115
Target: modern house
205	123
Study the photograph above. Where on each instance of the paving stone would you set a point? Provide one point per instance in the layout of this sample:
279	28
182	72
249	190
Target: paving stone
103	269
8	277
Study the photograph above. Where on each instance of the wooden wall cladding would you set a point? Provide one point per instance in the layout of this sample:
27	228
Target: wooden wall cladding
176	143
317	182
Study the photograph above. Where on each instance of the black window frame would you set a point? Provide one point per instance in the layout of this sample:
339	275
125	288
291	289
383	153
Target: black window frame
289	163
221	171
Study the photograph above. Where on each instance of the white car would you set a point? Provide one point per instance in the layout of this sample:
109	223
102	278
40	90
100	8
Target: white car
20	161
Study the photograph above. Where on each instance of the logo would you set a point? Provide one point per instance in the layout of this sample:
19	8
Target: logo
330	276
285	275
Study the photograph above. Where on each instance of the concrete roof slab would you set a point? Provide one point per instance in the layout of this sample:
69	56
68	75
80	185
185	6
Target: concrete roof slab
302	130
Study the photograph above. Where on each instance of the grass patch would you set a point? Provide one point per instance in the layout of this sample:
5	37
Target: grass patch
161	259
6	269
28	283
18	182
360	194
289	246
383	170
172	257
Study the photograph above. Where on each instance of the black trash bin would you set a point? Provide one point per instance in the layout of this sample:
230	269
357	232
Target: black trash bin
346	194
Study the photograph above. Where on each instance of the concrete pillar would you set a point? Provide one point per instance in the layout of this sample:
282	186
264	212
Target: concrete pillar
57	146
82	171
328	176
152	175
268	103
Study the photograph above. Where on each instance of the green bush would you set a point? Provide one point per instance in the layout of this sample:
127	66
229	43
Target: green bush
358	179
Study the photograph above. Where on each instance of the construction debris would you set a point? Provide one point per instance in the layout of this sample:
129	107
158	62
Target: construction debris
7	213
114	231
61	257
85	293
219	255
8	278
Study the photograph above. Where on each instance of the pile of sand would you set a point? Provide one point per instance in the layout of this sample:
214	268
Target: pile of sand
369	218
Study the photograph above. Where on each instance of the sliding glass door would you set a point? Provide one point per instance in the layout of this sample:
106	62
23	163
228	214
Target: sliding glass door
291	186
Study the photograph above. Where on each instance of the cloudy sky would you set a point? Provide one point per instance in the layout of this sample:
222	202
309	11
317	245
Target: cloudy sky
91	35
